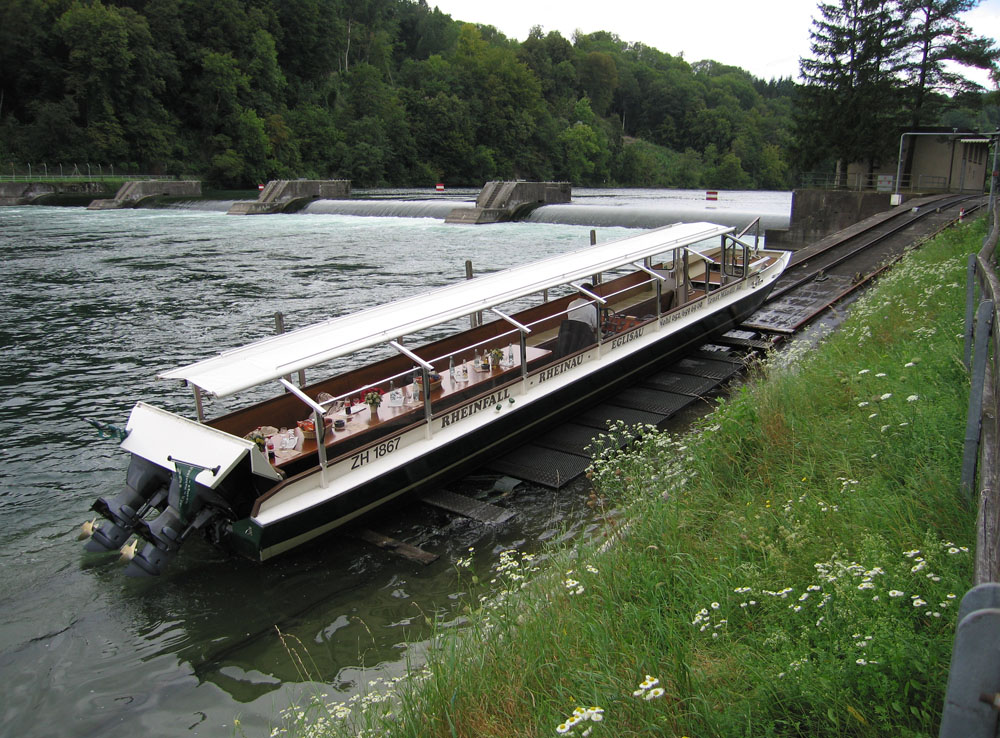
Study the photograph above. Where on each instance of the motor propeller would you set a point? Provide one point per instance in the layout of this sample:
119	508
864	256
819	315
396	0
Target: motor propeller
145	488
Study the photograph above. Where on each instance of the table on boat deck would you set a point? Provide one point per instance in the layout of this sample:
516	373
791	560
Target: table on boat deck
360	419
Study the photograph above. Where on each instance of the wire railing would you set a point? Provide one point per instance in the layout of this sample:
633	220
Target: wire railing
862	181
72	172
972	699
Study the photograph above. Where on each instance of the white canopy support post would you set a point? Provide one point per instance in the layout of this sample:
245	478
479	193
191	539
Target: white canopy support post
520	326
197	402
596	298
755	224
596	278
587	293
318	422
523	332
704	257
475	319
660	279
279	328
425	370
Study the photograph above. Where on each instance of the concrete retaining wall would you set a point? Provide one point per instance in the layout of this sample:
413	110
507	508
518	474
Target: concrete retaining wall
818	213
511	194
25	193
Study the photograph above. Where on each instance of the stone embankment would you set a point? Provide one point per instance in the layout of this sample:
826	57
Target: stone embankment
503	201
288	195
28	193
133	193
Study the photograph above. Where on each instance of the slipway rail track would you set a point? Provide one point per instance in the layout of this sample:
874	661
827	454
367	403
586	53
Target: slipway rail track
818	277
825	272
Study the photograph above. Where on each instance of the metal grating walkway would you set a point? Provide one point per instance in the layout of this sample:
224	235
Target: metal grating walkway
719	352
682	384
788	313
703	367
600	415
544	466
560	455
571	438
653	400
484	512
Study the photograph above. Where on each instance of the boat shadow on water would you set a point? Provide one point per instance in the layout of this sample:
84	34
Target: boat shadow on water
336	610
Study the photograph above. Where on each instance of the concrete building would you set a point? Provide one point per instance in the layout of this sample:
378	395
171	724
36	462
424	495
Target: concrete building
934	160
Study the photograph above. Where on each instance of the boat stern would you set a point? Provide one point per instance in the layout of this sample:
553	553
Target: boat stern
191	475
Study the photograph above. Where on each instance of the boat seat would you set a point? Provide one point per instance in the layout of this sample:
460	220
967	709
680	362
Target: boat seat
574	336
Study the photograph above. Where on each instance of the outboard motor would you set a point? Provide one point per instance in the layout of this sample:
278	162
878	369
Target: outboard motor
145	488
190	506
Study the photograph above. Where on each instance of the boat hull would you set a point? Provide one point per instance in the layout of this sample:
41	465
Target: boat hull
449	461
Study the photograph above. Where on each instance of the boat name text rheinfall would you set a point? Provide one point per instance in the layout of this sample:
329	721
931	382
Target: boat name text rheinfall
474	407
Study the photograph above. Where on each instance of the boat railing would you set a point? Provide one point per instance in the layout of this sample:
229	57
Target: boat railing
517	333
754	224
475	347
522	330
399	416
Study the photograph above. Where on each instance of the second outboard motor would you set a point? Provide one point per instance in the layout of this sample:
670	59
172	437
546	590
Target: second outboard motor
145	488
189	507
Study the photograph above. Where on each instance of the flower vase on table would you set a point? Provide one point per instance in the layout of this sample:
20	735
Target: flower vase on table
373	398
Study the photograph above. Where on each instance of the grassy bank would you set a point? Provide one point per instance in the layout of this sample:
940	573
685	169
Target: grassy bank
791	567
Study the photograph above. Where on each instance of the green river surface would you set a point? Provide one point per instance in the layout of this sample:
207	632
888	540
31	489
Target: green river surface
94	305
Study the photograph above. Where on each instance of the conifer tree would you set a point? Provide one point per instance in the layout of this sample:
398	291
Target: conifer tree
850	106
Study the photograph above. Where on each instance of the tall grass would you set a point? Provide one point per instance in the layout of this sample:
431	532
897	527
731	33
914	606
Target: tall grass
790	567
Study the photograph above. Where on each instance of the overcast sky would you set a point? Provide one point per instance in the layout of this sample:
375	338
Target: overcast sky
764	38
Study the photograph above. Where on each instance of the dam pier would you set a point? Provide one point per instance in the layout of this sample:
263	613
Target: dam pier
289	195
499	202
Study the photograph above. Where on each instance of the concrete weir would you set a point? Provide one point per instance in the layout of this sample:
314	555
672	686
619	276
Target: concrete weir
132	193
503	201
288	195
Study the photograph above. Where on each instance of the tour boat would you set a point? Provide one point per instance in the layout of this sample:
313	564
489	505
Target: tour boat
467	371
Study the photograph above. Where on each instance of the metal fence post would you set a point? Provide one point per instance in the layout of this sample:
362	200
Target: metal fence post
984	325
970	301
973	694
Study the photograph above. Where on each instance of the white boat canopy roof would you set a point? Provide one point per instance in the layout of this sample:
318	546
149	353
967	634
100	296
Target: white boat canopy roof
283	354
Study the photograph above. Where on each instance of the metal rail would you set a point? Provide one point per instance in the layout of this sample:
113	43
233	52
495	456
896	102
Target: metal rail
902	221
823	275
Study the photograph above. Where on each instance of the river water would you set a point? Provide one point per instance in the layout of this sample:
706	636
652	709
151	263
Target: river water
94	304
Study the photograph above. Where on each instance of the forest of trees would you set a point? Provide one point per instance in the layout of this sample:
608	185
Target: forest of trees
385	92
